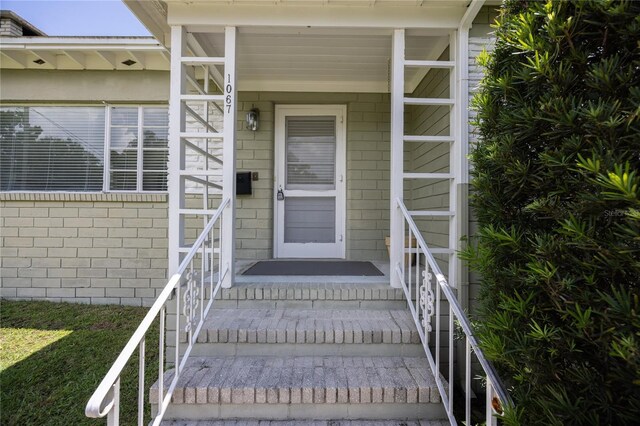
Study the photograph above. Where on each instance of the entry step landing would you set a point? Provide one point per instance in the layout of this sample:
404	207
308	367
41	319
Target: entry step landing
305	423
311	295
309	326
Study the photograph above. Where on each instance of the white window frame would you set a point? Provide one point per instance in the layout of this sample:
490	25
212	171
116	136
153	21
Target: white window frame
107	146
139	150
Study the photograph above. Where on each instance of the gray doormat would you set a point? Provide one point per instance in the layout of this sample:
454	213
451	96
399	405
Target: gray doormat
314	268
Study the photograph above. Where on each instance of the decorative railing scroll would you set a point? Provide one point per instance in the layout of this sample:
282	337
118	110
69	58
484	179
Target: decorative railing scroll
426	299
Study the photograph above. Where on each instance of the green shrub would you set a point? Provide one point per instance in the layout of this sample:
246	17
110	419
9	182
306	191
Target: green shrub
556	184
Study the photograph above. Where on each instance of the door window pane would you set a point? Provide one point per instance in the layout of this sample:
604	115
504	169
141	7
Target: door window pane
311	152
310	220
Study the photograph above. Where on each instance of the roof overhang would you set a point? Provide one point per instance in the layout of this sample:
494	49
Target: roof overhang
210	15
283	45
83	53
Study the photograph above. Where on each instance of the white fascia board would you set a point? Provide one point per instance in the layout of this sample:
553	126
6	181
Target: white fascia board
152	18
142	41
315	16
84	44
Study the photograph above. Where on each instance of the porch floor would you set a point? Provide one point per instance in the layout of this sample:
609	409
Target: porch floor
243	265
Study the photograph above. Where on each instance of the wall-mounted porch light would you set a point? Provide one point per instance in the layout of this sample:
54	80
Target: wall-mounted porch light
252	119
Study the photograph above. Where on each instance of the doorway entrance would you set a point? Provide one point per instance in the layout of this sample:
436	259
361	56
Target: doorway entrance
310	187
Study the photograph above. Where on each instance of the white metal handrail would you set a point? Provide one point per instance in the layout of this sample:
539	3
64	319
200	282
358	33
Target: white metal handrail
105	401
424	304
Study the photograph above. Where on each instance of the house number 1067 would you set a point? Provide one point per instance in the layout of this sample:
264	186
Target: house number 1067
228	90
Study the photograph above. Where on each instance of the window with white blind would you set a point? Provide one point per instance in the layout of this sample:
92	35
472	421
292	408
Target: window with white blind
51	148
135	166
66	148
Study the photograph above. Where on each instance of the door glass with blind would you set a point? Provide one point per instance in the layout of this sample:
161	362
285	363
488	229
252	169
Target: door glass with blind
309	185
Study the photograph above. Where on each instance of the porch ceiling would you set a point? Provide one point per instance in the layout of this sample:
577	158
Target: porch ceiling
320	60
311	45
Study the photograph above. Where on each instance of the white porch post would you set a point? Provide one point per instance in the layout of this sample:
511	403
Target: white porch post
462	161
397	160
229	158
176	157
455	161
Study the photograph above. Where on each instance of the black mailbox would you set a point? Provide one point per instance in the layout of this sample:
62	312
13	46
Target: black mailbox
243	183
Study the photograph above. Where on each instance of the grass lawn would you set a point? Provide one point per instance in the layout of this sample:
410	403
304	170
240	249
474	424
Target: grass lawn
53	355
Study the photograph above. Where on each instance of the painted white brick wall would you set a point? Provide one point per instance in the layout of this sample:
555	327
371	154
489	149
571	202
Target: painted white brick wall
10	28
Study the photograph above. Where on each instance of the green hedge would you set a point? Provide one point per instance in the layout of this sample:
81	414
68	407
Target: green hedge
556	190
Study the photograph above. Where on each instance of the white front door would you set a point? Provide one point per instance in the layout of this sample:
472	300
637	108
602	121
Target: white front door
309	195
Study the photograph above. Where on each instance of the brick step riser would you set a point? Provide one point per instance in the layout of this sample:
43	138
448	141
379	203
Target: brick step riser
306	349
370	305
313	304
309	291
344	294
363	333
293	387
329	422
304	411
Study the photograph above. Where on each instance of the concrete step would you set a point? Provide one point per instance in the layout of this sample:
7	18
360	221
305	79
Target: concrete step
312	295
309	326
253	422
279	388
308	332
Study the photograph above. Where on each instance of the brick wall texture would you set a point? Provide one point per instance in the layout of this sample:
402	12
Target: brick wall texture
10	28
86	252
